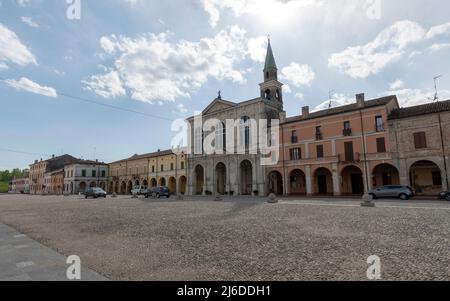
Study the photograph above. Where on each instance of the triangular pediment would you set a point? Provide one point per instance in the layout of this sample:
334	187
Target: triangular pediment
218	105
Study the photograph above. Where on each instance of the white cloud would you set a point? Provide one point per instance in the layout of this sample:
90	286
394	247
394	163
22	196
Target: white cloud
439	30
154	69
337	100
388	47
13	50
298	75
408	97
282	9
29	21
439	46
300	96
24	2
25	84
396	85
106	85
257	48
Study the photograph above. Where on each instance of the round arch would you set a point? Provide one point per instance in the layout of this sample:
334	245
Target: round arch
162	182
246	177
275	182
426	177
221	178
172	185
385	174
352	180
182	185
199	179
323	181
297	182
153	182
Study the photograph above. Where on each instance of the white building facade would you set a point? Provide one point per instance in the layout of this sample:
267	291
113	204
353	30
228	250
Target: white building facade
84	174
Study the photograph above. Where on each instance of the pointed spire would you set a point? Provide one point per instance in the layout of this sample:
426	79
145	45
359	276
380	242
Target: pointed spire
270	59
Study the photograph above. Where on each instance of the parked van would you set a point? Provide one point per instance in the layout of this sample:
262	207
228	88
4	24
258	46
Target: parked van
139	190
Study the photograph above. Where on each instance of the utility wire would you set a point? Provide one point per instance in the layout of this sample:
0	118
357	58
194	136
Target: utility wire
72	97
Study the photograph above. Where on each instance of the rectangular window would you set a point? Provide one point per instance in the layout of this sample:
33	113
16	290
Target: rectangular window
349	155
319	135
153	169
83	173
296	154
420	140
103	173
320	153
379	124
294	137
162	167
171	166
182	165
437	179
381	145
347	129
94	173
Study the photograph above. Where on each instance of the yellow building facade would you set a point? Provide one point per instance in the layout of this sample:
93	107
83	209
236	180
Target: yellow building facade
161	168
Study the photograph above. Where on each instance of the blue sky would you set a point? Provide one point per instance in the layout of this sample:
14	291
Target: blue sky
169	59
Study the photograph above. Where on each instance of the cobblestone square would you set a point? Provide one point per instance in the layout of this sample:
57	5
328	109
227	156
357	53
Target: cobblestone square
238	239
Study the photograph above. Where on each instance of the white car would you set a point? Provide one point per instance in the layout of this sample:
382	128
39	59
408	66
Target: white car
139	190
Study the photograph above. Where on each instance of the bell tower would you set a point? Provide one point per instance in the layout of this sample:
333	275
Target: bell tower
271	88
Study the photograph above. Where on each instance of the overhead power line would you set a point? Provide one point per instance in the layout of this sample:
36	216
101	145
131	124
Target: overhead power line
78	98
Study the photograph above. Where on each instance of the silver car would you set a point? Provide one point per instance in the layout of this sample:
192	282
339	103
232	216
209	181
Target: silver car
393	191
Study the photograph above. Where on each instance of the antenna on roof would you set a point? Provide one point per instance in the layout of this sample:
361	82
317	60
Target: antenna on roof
330	98
436	96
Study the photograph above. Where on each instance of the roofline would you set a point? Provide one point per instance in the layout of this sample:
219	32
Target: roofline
392	97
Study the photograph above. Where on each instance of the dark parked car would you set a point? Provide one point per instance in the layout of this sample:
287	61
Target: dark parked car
158	192
95	193
393	191
445	195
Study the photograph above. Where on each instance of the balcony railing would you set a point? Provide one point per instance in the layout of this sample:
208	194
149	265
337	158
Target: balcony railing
379	128
319	136
356	157
347	132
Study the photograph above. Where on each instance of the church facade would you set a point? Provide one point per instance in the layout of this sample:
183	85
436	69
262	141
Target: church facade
229	172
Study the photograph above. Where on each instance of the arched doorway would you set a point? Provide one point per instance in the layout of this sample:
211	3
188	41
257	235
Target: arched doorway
385	174
71	188
82	187
246	177
103	185
221	178
145	183
199	177
116	187
137	183
154	183
182	185
426	178
173	185
275	183
129	187
123	188
323	182
93	184
352	181
162	182
297	182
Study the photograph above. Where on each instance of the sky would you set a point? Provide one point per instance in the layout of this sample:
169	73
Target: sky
104	79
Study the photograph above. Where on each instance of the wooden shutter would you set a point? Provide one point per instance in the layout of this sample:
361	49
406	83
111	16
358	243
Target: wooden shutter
349	151
420	140
381	145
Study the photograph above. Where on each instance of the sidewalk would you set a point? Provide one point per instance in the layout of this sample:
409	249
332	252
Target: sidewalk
23	259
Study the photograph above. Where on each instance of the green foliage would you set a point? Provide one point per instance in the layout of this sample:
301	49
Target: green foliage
3	187
6	175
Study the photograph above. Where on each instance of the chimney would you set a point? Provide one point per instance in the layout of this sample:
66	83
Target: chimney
360	100
305	112
53	156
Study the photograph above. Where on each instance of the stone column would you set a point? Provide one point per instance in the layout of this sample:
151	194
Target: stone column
404	173
336	180
309	189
